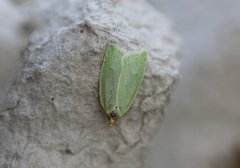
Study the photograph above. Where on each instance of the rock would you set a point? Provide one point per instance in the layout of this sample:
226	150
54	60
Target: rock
52	117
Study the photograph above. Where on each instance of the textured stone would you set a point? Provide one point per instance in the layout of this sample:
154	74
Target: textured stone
52	117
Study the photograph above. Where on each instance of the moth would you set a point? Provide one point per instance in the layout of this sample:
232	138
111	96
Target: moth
120	78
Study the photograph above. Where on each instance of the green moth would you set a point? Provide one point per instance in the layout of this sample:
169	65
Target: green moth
120	78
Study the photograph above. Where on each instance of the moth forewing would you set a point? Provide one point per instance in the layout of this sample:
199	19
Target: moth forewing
133	66
109	78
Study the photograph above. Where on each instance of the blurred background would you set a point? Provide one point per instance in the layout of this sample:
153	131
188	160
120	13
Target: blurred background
201	128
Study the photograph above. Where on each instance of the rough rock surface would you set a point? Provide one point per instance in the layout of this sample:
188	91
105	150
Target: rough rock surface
52	117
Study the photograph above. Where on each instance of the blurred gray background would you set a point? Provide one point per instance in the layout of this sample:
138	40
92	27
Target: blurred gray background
201	125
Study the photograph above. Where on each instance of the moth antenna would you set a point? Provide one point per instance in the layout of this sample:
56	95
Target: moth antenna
118	129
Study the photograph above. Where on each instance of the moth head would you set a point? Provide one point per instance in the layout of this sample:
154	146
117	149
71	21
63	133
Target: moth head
112	118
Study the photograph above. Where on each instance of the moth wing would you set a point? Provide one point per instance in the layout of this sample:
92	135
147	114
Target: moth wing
109	77
132	73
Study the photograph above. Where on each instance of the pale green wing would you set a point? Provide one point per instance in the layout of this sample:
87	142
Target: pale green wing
133	67
109	77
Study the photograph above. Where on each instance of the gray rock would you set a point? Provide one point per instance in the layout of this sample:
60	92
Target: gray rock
52	117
